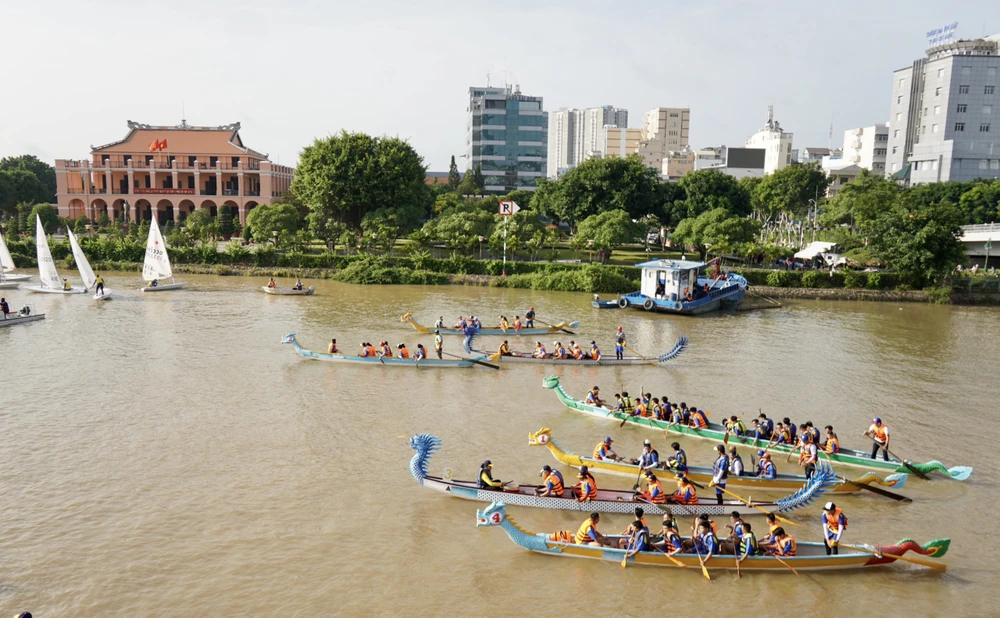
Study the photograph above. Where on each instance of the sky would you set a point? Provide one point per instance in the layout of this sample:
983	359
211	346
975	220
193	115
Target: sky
292	71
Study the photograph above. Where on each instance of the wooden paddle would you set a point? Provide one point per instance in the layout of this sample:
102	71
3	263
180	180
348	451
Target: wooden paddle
765	511
736	550
926	563
694	544
478	362
568	332
785	563
874	490
902	461
653	363
671	558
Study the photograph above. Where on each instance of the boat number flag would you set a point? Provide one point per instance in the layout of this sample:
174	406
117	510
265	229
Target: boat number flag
508	208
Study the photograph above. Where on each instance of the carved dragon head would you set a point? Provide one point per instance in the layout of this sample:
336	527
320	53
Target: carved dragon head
550	382
406	317
540	437
493	515
289	338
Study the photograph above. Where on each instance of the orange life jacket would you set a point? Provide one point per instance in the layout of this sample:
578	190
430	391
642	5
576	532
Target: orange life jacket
562	536
404	353
371	350
641	410
833	445
683	489
557	486
386	351
659	498
832	520
699	419
881	433
588	489
583	534
779	546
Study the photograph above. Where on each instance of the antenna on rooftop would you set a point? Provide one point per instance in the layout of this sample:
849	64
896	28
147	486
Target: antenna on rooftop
184	122
829	144
487	79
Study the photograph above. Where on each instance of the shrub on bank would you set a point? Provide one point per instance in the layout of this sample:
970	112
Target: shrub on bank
590	278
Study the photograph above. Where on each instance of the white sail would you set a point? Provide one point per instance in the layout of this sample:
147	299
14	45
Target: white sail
46	267
157	264
6	262
86	272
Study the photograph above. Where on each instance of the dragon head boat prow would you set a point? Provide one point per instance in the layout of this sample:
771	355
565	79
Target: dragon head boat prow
540	437
493	515
425	445
406	317
289	338
550	382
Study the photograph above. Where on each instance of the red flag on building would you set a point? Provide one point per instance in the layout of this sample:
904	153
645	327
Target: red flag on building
154	146
163	144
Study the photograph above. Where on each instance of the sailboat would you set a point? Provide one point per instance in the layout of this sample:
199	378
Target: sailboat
7	279
157	263
50	282
86	272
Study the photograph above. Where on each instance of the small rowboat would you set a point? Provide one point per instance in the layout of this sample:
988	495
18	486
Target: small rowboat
608	500
289	291
597	303
782	482
809	556
375	360
562	327
715	431
523	357
20	318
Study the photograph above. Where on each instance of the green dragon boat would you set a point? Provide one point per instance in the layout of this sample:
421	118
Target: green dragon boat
715	431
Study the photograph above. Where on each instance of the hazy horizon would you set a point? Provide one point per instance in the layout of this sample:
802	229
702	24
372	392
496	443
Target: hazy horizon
305	69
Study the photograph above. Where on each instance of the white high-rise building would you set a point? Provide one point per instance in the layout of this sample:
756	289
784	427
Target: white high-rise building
943	119
867	147
776	143
664	130
576	135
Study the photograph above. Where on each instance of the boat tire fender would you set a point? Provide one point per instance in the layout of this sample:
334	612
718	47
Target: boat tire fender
623	303
649	305
678	305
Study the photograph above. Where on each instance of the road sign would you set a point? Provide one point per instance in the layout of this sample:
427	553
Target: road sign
508	208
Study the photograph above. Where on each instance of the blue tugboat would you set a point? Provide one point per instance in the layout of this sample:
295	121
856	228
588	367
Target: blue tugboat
674	286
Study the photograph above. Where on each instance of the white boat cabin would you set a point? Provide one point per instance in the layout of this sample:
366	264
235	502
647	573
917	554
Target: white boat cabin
669	279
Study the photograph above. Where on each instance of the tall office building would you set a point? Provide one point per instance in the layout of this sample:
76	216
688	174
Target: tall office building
576	135
664	130
506	134
942	124
776	143
867	147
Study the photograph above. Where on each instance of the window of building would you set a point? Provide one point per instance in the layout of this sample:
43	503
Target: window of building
937	110
925	111
923	130
880	151
959	126
896	132
987	109
236	162
962	107
105	158
937	91
934	128
899	116
966	70
899	100
902	80
895	149
494	104
895	167
882	137
983	164
934	164
191	160
995	164
149	159
940	72
212	161
963	90
530	106
987	89
984	128
916	166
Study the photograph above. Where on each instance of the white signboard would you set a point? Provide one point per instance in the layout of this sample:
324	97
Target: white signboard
508	208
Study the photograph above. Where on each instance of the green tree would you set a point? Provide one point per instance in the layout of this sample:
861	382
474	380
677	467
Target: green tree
477	178
225	220
609	229
522	226
18	185
717	230
672	203
453	176
201	225
381	228
467	186
44	172
343	177
980	203
711	189
48	215
789	190
460	227
919	239
104	221
858	203
265	219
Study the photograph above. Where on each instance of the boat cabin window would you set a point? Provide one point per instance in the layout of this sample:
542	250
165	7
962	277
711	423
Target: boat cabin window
661	283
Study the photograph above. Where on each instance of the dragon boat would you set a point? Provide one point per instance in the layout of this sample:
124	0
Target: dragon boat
608	500
715	431
524	357
782	482
391	361
809	556
562	327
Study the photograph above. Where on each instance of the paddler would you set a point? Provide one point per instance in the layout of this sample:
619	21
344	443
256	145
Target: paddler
575	350
736	426
772	528
421	352
639	517
649	458
517	323
440	322
708	542
834	524
594	397
654	491
384	350
469	332
671	537
656	410
679	462
735	462
813	431
504	324
808	455
879	432
620	344
298	284
832	444
553	483
486	480
403	352
699	419
766	426
332	349
364	349
504	349
748	543
588	534
790	426
540	350
784	544
438	344
686	493
558	351
529	318
371	349
738	528
720	472
595	352
603	450
4	307
627	405
586	488
639	541
767	469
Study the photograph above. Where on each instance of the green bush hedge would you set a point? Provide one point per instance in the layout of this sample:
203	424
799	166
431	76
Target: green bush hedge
591	278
